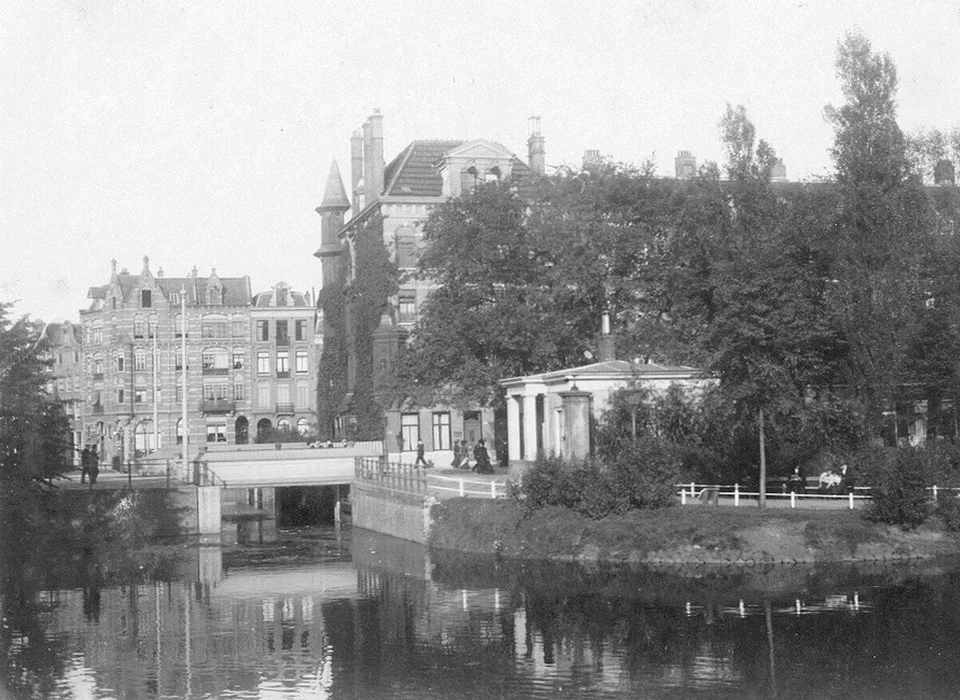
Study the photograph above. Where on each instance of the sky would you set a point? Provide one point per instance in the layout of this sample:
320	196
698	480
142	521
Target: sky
201	133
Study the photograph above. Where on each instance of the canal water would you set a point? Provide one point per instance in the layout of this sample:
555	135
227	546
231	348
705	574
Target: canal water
334	613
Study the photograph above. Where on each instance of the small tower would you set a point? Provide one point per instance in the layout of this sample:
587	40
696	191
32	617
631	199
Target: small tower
536	153
331	210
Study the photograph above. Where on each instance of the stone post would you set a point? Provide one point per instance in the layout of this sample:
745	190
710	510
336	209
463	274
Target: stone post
576	422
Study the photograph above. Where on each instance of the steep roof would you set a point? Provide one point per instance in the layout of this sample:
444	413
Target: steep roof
263	300
413	172
237	290
334	195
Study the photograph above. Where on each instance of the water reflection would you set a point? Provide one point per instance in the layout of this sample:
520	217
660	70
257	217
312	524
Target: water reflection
341	614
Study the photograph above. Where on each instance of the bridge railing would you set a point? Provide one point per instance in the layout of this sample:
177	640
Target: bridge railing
392	475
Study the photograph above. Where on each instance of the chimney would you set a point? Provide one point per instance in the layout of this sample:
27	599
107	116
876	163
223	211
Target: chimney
356	167
146	265
606	347
160	272
193	272
373	157
685	164
536	155
778	172
592	159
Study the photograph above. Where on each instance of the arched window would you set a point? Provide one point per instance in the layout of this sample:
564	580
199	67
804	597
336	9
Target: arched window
303	426
143	438
139	326
283	424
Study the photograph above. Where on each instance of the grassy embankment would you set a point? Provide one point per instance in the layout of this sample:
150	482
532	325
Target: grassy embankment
689	534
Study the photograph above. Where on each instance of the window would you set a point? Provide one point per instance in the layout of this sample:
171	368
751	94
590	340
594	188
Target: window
238	357
263	330
139	360
407	311
263	395
138	328
179	390
239	391
303	396
146	298
441	431
303	364
300	330
283	336
178	325
283	363
281	296
180	431
153	325
263	362
179	359
468	179
283	424
120	395
214	327
215	392
119	363
283	393
406	247
140	394
214	360
217	433
409	430
237	328
303	426
96	334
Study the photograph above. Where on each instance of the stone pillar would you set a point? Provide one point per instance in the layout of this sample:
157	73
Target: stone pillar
576	423
513	428
208	510
530	428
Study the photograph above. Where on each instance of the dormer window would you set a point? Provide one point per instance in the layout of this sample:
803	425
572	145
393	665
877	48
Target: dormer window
146	298
493	174
281	296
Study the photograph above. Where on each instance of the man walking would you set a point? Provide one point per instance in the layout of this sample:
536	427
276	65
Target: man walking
420	457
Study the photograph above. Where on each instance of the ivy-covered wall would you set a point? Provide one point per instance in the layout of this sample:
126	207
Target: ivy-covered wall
367	295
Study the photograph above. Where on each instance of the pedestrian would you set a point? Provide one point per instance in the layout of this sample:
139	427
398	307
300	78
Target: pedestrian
482	457
847	480
457	455
94	467
84	464
795	481
420	455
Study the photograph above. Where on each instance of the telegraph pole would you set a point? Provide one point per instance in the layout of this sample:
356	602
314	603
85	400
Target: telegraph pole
183	405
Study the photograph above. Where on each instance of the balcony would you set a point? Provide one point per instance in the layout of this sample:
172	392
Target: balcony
283	374
217	405
98	376
283	342
97	409
215	371
284	409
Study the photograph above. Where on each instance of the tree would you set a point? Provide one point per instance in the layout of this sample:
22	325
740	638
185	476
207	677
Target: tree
34	433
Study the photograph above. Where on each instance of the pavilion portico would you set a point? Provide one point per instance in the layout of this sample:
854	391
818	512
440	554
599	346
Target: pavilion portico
553	412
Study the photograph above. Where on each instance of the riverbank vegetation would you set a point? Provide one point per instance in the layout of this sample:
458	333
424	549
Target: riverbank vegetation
690	534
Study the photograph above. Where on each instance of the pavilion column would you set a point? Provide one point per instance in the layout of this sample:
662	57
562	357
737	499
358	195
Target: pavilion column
576	423
530	427
513	428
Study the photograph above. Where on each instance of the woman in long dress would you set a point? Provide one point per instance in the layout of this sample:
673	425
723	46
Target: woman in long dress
483	465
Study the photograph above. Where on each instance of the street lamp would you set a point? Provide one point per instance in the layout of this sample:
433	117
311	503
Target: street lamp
634	399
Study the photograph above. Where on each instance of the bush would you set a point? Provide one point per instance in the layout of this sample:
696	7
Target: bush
898	489
948	510
642	475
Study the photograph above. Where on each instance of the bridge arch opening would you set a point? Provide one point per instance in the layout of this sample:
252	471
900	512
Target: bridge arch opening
300	506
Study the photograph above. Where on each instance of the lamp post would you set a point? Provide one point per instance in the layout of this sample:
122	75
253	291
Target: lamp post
634	399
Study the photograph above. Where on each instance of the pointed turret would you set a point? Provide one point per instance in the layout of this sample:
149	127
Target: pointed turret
334	195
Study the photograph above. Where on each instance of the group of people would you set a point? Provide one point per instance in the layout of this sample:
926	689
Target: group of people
481	458
89	465
830	481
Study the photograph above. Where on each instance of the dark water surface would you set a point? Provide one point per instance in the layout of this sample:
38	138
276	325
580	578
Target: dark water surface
328	613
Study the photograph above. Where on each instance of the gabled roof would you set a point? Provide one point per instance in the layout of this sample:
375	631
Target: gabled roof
413	172
237	289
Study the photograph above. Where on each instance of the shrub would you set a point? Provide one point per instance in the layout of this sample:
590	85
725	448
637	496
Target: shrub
948	510
898	490
642	475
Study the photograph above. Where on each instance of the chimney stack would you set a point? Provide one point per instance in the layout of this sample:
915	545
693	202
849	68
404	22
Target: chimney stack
356	168
606	347
536	154
373	157
686	165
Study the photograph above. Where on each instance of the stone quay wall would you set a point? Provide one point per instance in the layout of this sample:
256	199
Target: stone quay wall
391	512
